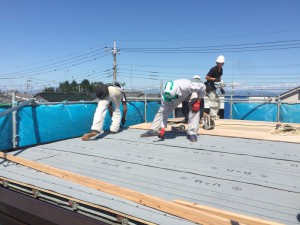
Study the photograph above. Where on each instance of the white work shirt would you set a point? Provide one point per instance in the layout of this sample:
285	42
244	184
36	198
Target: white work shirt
187	87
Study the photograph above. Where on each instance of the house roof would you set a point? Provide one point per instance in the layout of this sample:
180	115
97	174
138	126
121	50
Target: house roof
290	91
60	97
250	177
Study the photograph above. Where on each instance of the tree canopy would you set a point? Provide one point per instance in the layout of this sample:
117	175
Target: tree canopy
66	87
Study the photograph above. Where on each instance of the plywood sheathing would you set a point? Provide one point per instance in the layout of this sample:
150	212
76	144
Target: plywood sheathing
259	130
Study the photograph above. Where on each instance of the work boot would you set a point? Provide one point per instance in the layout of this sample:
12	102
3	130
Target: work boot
150	133
192	138
87	136
186	121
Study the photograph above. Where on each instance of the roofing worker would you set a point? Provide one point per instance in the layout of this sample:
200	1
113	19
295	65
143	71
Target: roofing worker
107	95
215	75
185	105
124	103
213	78
174	93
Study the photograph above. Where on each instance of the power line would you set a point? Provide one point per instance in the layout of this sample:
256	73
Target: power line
56	68
212	37
257	46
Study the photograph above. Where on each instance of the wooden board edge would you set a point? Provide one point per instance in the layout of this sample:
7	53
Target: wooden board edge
193	215
227	214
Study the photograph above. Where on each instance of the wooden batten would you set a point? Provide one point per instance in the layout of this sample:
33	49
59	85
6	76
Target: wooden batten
176	209
226	214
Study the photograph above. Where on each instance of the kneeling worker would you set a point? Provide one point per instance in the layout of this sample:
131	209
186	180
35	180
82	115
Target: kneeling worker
174	93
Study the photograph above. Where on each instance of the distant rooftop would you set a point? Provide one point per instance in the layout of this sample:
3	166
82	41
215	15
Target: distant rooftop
60	97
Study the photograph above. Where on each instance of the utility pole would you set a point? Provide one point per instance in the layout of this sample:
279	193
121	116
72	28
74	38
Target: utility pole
114	53
232	89
27	86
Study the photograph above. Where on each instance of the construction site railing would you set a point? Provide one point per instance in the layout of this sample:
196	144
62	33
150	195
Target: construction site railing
13	110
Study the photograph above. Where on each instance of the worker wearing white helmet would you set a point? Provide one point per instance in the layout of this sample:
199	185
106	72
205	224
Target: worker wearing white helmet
174	93
215	74
213	78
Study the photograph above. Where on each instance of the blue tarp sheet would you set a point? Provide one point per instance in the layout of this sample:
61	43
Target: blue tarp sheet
5	131
254	111
46	123
290	113
152	108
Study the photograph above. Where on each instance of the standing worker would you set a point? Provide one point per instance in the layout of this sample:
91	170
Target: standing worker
174	93
215	75
107	95
213	78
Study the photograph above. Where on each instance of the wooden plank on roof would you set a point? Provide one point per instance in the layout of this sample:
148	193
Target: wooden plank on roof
226	214
258	130
143	199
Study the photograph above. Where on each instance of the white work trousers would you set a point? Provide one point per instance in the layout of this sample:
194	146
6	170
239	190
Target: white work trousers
167	108
214	103
114	96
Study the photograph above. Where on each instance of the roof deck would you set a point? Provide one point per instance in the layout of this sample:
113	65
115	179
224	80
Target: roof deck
258	178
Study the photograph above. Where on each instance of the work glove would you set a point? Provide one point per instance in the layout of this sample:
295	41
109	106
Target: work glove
196	107
217	80
123	121
162	133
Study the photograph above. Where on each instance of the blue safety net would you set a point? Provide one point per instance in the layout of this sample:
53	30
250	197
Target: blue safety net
290	113
254	111
45	123
5	130
152	108
135	113
228	99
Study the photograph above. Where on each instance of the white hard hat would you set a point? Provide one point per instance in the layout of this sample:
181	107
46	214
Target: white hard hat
197	79
170	91
220	59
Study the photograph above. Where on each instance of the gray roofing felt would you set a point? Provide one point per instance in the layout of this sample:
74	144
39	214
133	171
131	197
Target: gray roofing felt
250	177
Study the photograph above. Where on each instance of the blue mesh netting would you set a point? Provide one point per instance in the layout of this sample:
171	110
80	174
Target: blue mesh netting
290	113
254	111
5	130
152	108
45	123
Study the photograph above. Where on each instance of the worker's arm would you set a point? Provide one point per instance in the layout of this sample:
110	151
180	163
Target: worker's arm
212	78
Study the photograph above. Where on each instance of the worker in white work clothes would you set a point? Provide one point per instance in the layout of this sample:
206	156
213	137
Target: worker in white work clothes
174	93
107	95
185	104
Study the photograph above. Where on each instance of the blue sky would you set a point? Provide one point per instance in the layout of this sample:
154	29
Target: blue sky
46	42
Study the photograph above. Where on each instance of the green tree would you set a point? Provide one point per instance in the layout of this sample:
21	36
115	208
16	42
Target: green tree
85	86
64	86
74	87
49	90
